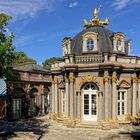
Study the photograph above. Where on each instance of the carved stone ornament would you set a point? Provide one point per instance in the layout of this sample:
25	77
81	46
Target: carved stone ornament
88	79
134	79
124	84
114	78
106	78
66	79
71	78
54	81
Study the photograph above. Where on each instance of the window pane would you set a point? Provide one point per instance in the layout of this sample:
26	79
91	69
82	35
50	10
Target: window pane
118	108
122	108
122	95
86	97
86	112
90	44
118	95
86	101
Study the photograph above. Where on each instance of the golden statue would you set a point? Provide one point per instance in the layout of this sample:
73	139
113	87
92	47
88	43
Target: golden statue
96	21
96	11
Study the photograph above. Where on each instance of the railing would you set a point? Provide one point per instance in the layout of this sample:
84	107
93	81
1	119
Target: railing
89	59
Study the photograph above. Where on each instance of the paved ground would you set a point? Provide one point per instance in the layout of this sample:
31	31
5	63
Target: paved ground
43	129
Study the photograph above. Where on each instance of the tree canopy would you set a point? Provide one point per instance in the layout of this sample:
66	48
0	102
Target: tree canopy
7	55
48	62
21	57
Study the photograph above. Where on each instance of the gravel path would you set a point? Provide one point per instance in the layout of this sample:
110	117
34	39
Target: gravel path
42	128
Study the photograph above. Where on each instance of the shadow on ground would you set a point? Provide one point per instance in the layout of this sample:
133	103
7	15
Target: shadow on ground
135	135
31	125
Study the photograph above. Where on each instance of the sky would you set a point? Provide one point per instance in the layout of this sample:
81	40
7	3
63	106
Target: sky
40	25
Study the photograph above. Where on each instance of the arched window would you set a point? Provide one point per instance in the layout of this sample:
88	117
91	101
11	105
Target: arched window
119	44
90	86
90	44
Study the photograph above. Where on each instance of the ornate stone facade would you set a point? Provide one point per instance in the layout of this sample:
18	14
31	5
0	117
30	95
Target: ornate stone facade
99	85
28	91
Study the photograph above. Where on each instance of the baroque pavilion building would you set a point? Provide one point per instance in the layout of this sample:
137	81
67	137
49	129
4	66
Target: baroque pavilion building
98	80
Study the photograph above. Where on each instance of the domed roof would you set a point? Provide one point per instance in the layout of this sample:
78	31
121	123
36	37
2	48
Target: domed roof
104	40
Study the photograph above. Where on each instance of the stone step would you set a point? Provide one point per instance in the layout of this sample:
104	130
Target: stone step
89	125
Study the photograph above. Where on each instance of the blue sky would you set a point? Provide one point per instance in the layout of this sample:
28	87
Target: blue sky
41	25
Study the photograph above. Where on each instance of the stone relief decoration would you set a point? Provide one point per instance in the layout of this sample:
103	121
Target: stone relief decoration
90	42
124	84
66	46
61	85
114	79
88	79
119	42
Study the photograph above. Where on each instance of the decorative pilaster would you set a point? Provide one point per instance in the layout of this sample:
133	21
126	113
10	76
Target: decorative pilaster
71	79
53	97
56	94
107	95
78	105
114	96
100	105
134	101
42	97
139	96
67	96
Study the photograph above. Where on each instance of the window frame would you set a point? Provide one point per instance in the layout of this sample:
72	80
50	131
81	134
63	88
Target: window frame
122	102
90	44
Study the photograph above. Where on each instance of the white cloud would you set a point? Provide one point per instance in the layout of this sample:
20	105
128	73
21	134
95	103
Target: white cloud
26	8
120	4
73	4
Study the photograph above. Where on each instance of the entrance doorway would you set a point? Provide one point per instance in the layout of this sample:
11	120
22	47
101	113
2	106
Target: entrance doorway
90	102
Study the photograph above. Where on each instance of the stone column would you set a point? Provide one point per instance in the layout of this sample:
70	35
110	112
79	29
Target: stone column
109	98
42	100
106	94
100	111
71	78
134	101
78	105
75	102
67	96
114	96
43	109
53	99
138	96
61	92
56	95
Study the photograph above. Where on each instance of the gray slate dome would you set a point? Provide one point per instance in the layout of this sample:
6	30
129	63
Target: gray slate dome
105	40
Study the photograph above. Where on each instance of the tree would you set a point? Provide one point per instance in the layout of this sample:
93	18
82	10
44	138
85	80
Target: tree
48	62
7	55
21	57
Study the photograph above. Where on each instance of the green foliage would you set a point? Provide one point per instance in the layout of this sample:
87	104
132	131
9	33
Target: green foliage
21	57
6	48
48	62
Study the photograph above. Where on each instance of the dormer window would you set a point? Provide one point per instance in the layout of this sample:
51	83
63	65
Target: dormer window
119	42
90	44
119	45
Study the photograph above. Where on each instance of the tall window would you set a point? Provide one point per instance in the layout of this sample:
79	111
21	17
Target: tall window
119	42
119	45
90	44
16	108
121	102
63	101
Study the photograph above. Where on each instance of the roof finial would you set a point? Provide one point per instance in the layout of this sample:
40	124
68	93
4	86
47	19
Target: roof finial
96	20
95	13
